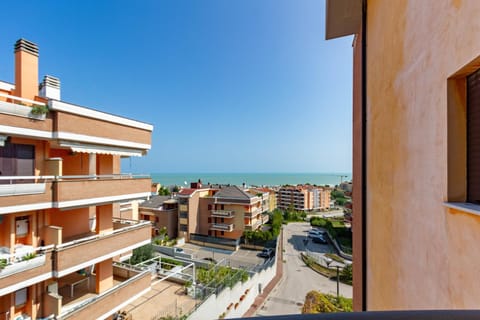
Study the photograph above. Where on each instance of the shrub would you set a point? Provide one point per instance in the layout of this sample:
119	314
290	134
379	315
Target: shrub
141	254
316	302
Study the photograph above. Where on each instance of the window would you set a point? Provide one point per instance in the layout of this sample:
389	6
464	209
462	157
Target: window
222	233
20	297
473	137
21	226
209	207
17	159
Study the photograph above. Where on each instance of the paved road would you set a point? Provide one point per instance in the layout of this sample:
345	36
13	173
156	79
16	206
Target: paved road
242	258
298	279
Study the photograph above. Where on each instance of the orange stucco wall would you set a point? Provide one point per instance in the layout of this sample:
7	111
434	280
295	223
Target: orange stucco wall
73	222
26	75
420	255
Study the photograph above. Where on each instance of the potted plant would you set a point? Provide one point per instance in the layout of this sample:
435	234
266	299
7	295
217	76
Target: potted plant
3	263
39	111
29	256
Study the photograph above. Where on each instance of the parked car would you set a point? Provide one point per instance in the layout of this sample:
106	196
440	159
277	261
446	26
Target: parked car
266	253
320	231
210	260
316	232
319	239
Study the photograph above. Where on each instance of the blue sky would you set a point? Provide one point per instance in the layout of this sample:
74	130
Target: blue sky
230	86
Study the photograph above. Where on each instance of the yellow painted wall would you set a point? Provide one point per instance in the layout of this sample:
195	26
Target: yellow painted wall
419	255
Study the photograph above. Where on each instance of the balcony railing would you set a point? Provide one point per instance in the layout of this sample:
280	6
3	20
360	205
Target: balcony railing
20	192
131	282
222	227
223	213
75	254
24	264
89	190
20	106
254	225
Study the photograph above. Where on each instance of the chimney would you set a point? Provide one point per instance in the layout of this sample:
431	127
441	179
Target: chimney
26	69
50	88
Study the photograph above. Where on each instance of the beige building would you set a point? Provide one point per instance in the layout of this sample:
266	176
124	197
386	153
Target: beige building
219	214
61	231
415	139
303	198
269	198
162	212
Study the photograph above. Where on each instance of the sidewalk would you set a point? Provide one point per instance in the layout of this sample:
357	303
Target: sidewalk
273	283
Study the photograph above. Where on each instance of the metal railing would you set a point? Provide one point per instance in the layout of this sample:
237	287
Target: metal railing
223	213
222	226
133	224
42	179
104	294
22	100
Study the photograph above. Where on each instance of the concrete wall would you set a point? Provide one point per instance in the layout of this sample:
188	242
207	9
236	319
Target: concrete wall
420	254
242	295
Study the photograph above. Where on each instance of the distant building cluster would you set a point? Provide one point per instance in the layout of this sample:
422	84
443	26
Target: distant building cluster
204	212
303	198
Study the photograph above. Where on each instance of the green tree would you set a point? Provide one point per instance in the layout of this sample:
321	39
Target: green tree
347	274
163	191
141	254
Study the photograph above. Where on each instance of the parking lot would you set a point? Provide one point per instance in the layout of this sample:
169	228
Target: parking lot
242	258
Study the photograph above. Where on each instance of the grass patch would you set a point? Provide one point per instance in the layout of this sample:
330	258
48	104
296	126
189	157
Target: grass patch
329	273
338	224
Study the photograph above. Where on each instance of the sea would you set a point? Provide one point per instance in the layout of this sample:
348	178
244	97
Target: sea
251	179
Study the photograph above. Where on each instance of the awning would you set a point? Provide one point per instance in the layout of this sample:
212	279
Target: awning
94	148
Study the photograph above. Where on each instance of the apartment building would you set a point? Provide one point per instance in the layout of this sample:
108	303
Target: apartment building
60	192
218	215
269	198
303	198
162	212
415	160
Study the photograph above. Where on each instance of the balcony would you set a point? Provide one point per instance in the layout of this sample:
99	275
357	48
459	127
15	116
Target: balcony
22	193
222	227
223	213
85	125
90	249
254	225
17	112
253	212
71	191
265	218
25	267
128	284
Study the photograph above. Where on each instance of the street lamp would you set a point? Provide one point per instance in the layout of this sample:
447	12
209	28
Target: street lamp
338	277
